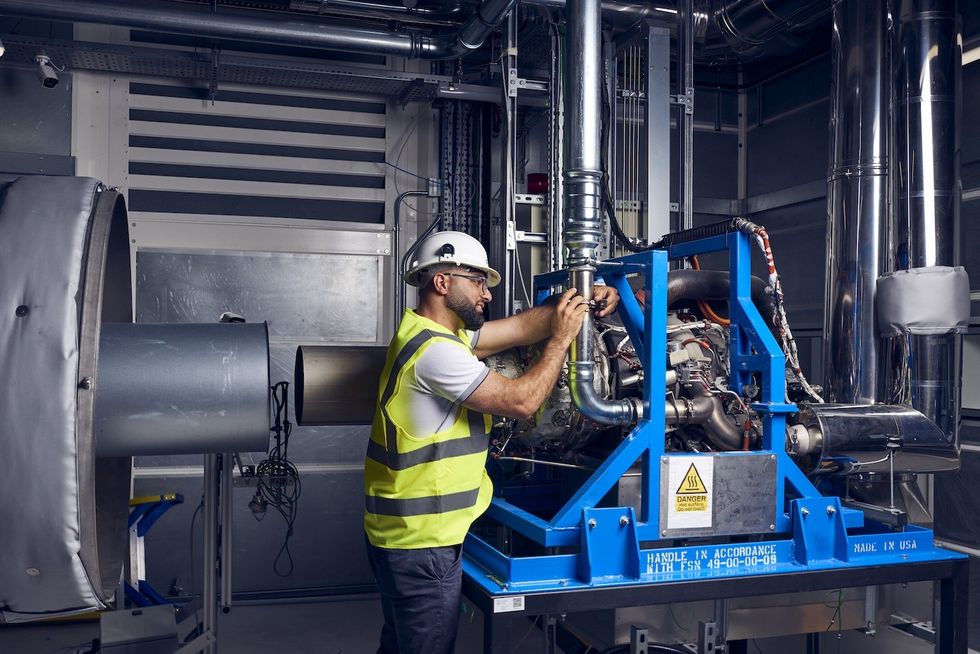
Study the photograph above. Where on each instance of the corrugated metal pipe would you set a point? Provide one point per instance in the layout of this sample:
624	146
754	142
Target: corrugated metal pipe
583	219
166	17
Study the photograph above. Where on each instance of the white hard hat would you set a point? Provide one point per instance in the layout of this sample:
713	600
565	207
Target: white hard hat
454	248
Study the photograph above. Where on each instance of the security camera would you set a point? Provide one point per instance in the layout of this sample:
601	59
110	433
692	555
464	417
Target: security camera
47	74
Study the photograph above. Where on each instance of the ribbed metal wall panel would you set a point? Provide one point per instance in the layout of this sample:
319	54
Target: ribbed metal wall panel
262	154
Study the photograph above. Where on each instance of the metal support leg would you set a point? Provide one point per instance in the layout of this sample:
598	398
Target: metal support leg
225	555
951	611
550	635
497	633
813	644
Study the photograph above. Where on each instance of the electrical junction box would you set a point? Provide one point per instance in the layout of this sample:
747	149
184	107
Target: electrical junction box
717	494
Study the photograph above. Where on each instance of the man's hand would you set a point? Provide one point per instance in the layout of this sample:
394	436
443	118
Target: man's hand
606	294
566	322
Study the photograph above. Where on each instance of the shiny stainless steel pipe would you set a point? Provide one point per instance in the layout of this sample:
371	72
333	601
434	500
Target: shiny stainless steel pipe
583	218
249	26
856	200
925	371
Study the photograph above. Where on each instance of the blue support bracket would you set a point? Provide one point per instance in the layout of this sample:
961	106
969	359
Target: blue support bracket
610	546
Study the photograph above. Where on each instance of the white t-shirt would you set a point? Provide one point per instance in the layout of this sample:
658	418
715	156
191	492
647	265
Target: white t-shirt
445	375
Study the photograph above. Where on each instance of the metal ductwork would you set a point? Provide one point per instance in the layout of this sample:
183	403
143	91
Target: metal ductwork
583	192
924	368
755	28
856	199
622	13
165	17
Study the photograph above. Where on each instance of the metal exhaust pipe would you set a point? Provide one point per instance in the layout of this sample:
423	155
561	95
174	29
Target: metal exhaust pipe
583	192
856	200
925	370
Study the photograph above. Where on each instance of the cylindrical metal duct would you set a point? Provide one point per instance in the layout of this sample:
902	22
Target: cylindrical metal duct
583	178
753	29
64	272
182	389
856	199
166	17
337	385
924	370
854	439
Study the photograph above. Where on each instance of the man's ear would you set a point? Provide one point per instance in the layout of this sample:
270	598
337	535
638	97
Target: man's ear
440	284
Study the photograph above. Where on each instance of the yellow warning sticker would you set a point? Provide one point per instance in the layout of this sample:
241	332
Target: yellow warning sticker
692	484
691	479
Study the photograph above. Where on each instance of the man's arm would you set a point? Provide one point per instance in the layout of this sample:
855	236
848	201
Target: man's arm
521	397
532	325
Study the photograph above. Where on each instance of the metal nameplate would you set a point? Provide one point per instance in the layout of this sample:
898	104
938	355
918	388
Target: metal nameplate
717	494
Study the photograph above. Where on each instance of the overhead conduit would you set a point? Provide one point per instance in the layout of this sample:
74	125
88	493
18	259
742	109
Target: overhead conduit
168	18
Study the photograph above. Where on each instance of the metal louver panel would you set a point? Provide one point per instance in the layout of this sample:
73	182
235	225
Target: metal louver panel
257	154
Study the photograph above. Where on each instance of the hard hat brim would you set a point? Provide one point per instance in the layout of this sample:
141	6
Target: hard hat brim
412	276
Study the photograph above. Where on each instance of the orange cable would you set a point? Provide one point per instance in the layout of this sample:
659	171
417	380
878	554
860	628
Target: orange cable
705	308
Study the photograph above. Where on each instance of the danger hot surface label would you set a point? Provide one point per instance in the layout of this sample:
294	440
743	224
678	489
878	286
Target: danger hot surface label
690	479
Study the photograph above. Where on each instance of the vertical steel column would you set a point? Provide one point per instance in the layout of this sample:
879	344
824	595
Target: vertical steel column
856	200
508	182
925	370
656	116
608	247
209	590
685	120
224	499
555	163
743	150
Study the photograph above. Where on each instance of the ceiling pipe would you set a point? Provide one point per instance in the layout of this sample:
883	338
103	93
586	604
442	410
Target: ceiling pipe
622	12
163	17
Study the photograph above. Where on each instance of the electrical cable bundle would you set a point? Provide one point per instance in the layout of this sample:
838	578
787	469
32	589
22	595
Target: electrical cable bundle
278	479
779	318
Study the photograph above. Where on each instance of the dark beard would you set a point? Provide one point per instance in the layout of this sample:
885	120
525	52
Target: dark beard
472	319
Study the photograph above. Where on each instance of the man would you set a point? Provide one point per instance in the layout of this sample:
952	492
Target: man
425	478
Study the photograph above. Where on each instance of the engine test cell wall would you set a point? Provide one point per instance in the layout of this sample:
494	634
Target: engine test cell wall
957	497
294	228
35	138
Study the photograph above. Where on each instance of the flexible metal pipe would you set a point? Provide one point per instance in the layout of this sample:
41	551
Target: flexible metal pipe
165	17
708	411
583	220
925	370
856	200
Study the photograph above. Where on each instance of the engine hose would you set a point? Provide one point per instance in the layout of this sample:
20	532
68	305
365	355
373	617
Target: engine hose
708	410
696	285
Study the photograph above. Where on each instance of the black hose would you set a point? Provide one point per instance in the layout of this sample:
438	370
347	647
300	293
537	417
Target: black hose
695	285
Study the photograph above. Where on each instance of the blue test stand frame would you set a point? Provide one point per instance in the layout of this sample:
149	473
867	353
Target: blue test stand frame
588	547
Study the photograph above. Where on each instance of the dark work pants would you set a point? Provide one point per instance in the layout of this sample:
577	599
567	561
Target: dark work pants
420	595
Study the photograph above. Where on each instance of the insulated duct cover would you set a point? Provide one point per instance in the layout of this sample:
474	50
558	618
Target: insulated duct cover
64	269
924	301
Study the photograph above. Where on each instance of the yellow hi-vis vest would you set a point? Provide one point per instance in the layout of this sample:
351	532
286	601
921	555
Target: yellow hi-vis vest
422	490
